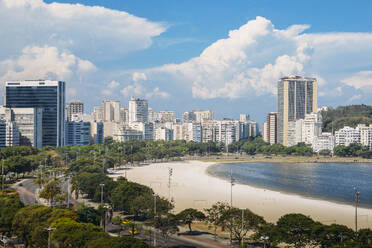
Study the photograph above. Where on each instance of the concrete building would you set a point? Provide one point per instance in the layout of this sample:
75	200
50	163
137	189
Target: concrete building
244	117
97	114
9	134
269	131
311	127
365	135
97	133
164	116
226	131
111	111
77	133
124	115
45	94
325	141
74	107
297	96
124	134
147	129
347	136
163	133
294	132
29	122
138	110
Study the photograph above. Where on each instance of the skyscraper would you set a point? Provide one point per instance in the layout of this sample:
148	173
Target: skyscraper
138	110
45	94
297	96
74	107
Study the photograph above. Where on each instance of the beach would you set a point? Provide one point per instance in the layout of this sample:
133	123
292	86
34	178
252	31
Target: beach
193	187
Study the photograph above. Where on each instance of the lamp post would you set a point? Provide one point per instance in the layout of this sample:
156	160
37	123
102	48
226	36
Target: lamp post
155	195
2	174
104	217
357	200
49	229
264	239
102	185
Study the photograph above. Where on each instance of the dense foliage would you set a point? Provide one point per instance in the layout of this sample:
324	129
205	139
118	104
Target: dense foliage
346	116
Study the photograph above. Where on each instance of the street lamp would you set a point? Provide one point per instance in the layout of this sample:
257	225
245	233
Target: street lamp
264	239
2	174
104	219
102	185
49	229
357	200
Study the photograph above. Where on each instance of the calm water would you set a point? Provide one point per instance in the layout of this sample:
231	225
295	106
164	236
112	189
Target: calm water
329	181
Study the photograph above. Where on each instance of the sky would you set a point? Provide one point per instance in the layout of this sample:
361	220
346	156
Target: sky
189	54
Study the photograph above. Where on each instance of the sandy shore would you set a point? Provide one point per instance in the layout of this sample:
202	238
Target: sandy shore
193	187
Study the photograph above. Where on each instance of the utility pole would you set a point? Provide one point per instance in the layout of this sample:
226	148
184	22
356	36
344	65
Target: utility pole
102	185
357	200
242	227
2	174
154	219
170	171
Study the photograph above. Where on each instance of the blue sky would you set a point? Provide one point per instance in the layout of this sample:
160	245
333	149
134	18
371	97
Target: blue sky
187	54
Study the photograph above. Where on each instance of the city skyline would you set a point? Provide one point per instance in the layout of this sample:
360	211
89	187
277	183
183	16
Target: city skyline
181	57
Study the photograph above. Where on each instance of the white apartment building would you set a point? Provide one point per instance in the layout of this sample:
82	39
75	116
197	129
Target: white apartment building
227	131
147	129
164	116
138	110
265	135
124	115
347	136
365	135
111	110
97	114
325	141
163	133
311	127
244	117
294	132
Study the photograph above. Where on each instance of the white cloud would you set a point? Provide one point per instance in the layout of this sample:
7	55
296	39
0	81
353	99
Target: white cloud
355	97
360	80
106	92
138	90
139	76
44	63
113	84
250	61
87	31
157	93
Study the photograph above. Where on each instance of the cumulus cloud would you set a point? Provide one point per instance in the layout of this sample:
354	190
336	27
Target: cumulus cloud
251	60
87	31
113	84
44	63
138	88
360	80
354	98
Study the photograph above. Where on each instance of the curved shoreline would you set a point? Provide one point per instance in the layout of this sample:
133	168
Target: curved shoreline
193	187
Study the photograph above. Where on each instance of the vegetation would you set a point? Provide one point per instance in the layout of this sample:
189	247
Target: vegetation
346	116
189	215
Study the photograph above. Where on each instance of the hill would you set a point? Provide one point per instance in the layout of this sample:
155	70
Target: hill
346	116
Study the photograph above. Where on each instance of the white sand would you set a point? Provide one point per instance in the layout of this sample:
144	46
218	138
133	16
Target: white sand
192	187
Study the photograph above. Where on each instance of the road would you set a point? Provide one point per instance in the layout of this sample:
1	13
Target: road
27	191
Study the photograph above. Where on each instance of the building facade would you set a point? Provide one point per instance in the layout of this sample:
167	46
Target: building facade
138	110
74	107
297	96
111	111
77	133
47	95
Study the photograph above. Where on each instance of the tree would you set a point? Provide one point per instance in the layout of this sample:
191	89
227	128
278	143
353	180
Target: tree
166	224
51	190
9	205
331	235
88	214
189	215
214	215
240	222
295	229
364	238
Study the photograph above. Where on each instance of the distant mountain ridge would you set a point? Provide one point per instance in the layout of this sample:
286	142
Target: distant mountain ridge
352	115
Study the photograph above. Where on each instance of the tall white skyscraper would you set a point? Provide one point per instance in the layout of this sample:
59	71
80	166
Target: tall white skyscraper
138	110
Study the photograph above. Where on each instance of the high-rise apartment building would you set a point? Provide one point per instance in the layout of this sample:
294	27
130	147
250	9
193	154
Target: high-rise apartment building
270	133
138	110
28	122
97	114
77	133
111	111
297	96
74	107
244	117
45	94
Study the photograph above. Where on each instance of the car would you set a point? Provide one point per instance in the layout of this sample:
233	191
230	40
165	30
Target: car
20	184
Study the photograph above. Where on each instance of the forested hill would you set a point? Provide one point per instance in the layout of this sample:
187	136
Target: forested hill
346	116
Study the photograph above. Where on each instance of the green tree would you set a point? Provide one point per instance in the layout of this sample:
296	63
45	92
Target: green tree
88	214
296	229
215	214
9	205
189	215
51	190
166	224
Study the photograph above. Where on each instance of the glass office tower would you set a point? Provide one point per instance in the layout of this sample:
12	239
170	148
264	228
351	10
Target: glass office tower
297	96
45	94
